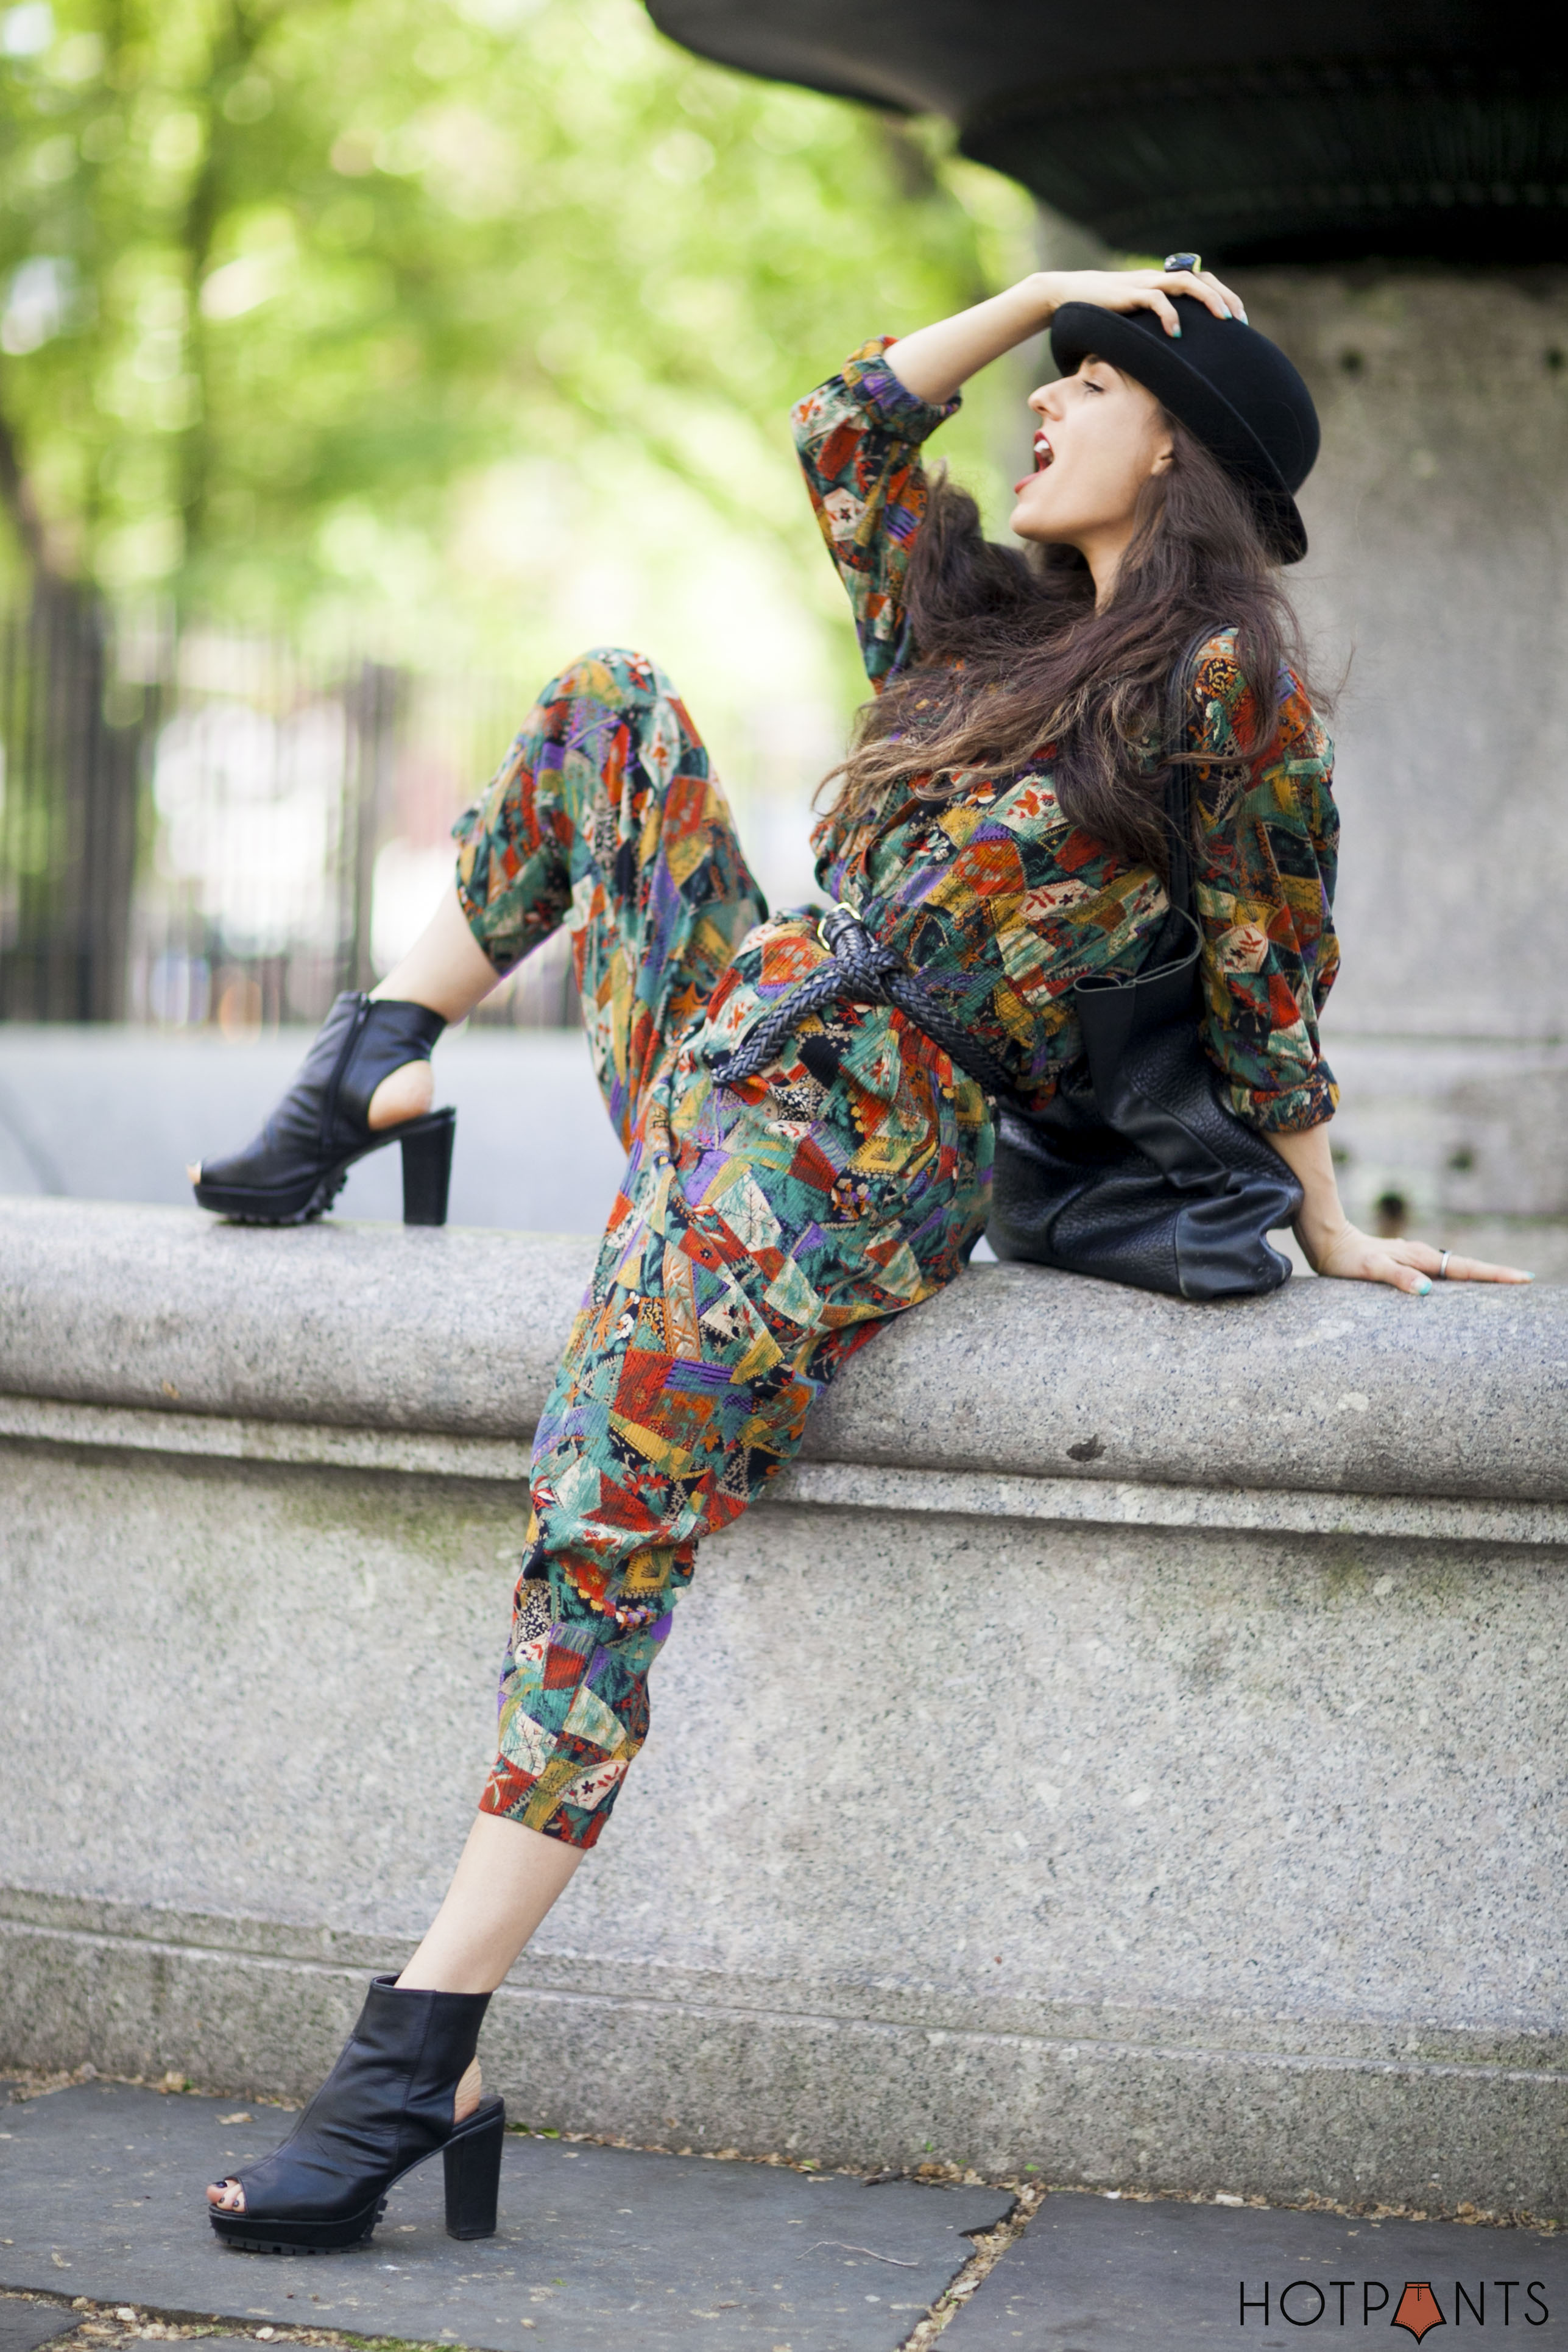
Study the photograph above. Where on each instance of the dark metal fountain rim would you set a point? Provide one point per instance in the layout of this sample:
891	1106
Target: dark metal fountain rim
1449	153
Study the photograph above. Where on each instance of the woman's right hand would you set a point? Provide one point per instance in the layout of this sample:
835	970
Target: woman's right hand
1405	1263
1333	1246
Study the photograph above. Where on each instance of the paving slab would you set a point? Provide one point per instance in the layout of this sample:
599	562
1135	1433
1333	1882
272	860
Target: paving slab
599	2250
1099	2274
24	2326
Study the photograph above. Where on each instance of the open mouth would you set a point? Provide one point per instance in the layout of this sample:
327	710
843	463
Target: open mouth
1044	456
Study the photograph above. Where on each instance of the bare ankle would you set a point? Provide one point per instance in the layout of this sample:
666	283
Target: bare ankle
469	2091
407	1093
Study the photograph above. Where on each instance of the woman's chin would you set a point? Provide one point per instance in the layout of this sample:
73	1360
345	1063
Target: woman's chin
1025	522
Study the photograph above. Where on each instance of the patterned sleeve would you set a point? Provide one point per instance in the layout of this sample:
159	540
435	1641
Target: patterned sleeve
860	435
1266	898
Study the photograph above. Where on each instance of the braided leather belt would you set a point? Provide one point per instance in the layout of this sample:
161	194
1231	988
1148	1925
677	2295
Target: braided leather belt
862	971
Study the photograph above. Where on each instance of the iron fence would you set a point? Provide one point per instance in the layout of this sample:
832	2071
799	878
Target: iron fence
199	825
70	779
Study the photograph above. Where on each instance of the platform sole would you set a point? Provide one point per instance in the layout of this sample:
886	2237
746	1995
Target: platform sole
297	2237
471	2162
426	1144
244	1207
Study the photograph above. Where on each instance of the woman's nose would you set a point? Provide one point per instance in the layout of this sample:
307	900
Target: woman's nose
1043	400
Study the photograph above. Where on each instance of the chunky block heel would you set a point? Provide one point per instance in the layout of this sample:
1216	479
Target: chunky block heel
427	1167
472	2160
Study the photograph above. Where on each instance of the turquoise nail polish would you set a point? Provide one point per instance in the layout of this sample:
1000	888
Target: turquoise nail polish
1177	328
1423	1288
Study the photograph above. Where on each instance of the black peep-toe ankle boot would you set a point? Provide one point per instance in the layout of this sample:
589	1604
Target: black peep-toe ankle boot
299	1162
386	2106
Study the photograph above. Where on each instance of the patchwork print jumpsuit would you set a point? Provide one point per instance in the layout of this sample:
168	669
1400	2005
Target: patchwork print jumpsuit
763	1233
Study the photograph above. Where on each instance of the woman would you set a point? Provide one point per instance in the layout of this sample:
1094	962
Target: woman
998	822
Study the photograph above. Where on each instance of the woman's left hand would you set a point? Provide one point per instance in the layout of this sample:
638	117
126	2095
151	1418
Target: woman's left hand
935	361
1141	289
1407	1265
1335	1247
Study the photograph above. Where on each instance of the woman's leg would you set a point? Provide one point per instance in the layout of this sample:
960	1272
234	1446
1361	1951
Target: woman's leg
506	1880
446	969
605	814
761	1235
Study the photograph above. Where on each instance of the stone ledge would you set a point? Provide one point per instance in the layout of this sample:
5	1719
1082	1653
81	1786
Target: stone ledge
835	1486
1014	1370
211	1437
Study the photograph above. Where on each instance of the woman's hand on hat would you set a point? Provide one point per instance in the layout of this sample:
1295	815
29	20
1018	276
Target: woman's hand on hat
1144	289
934	362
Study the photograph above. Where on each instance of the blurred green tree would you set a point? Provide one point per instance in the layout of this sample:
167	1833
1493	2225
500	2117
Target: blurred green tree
285	282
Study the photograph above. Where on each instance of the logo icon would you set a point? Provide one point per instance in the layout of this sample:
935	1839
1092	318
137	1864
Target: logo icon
1418	2309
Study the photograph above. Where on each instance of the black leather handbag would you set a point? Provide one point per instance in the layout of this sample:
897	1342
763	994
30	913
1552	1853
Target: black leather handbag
1140	1172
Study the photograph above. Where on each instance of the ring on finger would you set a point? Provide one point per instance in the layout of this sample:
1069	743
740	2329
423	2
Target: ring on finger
1191	262
1443	1258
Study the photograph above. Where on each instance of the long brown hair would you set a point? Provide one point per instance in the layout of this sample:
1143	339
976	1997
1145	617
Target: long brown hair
1011	656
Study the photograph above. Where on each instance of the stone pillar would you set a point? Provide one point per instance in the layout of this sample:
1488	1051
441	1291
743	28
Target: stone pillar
1438	517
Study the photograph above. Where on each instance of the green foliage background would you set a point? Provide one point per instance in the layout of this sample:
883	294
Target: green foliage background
446	324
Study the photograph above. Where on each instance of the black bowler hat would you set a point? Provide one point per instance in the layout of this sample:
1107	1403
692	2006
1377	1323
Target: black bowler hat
1233	389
